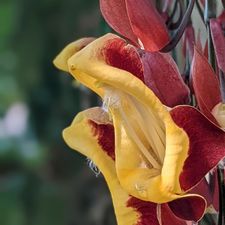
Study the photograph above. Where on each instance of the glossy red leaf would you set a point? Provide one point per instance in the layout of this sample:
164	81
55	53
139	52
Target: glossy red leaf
217	30
161	75
205	84
206	145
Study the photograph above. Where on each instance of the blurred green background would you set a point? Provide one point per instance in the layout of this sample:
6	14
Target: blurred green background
43	182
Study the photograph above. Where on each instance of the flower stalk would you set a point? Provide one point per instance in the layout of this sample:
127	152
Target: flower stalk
177	36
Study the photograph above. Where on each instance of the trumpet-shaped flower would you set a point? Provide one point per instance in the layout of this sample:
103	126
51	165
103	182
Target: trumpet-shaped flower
92	134
151	158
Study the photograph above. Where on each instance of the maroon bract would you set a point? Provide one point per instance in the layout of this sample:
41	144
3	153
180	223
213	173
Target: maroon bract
205	84
218	36
138	21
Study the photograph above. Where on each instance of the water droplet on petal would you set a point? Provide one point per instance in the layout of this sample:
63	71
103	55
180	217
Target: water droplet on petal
141	190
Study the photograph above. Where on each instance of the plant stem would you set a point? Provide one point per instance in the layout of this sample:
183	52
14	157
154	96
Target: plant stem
200	10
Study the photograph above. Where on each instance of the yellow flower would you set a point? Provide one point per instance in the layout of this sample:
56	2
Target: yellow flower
150	149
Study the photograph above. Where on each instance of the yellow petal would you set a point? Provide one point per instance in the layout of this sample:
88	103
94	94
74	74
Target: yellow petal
82	136
61	59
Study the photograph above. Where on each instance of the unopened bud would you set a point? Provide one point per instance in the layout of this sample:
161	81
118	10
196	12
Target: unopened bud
219	114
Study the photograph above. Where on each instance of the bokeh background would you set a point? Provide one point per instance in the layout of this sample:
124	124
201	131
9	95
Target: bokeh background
42	181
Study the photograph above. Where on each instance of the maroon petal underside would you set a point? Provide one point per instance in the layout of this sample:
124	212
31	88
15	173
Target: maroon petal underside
205	84
190	208
203	189
121	55
206	145
115	13
150	215
217	30
169	218
163	78
147	24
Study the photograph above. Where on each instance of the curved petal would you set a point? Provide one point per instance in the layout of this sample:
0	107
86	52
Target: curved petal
60	60
190	208
161	165
203	189
219	39
206	144
168	217
205	84
163	77
91	133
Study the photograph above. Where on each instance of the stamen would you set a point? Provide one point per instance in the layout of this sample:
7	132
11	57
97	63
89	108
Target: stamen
154	133
137	140
141	123
93	167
